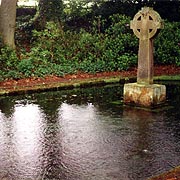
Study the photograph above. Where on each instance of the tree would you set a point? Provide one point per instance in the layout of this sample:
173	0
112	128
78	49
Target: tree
8	21
169	9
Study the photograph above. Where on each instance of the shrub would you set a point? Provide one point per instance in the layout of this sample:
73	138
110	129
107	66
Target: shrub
59	52
167	44
121	44
9	62
26	67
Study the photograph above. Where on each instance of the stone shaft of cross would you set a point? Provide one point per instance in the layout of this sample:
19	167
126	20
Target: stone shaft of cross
145	25
145	62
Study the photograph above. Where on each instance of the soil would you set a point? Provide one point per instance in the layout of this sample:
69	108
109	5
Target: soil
30	82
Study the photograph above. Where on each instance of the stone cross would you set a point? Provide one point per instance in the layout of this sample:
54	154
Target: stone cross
145	25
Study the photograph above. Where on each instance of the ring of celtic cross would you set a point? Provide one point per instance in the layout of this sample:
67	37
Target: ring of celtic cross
146	23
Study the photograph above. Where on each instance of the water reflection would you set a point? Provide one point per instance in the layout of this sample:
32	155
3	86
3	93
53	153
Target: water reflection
152	146
19	139
89	145
6	106
82	135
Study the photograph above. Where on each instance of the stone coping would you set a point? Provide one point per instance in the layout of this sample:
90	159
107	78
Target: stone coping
79	83
173	174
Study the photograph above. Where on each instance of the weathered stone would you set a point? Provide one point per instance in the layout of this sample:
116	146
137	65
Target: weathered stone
145	25
144	94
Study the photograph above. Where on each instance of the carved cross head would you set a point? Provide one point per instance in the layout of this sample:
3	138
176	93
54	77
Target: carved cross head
146	23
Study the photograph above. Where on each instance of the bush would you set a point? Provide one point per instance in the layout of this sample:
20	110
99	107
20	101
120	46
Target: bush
9	62
167	44
61	52
115	48
26	67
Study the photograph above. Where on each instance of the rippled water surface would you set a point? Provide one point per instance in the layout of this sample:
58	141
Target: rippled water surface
85	135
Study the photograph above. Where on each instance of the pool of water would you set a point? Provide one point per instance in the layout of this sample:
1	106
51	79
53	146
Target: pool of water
84	134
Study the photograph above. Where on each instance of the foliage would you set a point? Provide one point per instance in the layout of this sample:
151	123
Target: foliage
69	52
75	9
8	65
167	44
169	9
24	27
60	52
56	51
50	10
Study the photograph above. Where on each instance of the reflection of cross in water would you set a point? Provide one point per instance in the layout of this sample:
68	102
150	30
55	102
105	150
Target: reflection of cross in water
145	25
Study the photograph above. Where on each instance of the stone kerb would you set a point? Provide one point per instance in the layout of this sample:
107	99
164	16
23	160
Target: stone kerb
145	26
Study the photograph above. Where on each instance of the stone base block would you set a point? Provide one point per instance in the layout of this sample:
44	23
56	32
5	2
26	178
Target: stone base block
146	95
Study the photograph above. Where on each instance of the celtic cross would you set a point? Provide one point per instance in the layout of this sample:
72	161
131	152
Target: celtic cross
145	25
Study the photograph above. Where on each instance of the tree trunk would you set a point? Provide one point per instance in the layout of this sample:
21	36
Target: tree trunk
8	21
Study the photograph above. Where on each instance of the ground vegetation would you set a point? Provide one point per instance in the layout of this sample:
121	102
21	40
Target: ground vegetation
83	39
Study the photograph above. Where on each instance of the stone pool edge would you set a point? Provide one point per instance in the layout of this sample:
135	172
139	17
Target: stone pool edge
77	83
173	174
70	84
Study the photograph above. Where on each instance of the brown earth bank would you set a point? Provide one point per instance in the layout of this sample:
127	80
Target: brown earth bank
30	82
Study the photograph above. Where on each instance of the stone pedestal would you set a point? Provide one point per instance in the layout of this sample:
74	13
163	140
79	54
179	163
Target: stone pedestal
146	95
